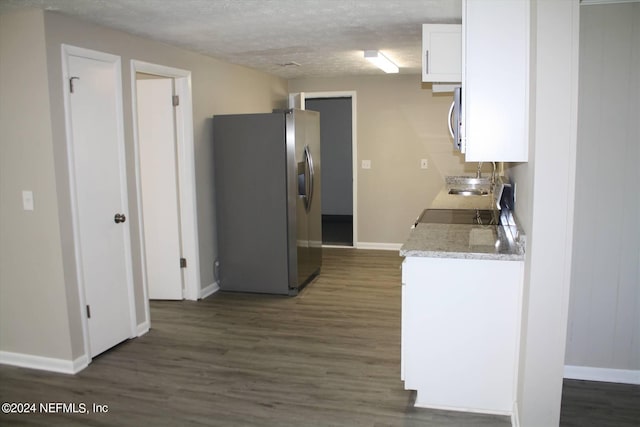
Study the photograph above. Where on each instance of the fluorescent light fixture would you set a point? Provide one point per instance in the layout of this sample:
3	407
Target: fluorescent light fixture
381	61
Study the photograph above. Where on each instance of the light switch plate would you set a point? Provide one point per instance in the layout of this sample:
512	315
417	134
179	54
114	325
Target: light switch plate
366	164
27	200
424	164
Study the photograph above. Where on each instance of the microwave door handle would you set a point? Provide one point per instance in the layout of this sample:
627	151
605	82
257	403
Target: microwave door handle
453	104
457	111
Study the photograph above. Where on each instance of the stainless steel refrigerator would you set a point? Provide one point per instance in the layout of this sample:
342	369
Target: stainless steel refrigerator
267	184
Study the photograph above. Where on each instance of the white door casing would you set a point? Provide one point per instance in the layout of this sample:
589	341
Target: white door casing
95	143
186	176
159	185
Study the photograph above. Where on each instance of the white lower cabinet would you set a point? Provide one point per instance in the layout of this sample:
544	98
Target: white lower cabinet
460	332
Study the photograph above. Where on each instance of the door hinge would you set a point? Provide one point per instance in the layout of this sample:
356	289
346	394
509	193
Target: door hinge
183	263
175	100
88	312
71	79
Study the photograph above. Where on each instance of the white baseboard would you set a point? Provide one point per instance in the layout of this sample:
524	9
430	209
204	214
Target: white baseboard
62	366
587	373
419	404
209	290
379	246
515	417
143	328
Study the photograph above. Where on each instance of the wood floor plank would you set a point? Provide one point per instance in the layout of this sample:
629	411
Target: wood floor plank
328	357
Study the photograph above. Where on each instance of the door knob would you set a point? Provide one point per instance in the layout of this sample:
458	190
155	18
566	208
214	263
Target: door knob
119	218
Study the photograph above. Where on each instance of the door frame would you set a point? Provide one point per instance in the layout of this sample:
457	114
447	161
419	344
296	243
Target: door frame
354	144
186	175
67	51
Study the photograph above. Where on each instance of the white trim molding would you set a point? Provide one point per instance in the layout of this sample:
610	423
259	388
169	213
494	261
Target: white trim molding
51	364
592	2
143	327
463	409
186	171
66	52
587	373
515	417
354	140
379	246
209	290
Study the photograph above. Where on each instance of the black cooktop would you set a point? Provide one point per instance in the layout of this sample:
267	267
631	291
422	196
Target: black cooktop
460	216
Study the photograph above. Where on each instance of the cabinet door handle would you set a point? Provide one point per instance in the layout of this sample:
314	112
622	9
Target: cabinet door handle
426	61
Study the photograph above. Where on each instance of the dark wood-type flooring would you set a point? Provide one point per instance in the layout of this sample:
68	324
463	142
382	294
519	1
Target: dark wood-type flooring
328	357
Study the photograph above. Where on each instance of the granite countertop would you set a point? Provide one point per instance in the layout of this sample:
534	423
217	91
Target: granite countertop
464	241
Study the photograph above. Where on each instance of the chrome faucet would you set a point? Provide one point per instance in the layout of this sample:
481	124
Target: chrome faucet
493	174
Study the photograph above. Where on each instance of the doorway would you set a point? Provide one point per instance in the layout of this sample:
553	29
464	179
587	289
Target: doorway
165	181
97	175
337	133
159	187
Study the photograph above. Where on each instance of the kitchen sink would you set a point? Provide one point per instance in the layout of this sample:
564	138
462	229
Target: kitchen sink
469	191
468	185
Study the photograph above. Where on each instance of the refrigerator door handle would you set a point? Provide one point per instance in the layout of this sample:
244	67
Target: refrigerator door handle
310	191
303	181
305	178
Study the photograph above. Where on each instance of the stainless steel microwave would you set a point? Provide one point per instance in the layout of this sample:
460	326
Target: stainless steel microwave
455	118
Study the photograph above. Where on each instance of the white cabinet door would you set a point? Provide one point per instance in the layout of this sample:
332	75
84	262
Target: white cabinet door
441	53
460	332
495	80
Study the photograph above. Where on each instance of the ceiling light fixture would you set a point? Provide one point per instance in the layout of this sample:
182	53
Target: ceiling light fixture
381	61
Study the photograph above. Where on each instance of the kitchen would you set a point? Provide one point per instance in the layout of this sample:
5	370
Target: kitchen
394	188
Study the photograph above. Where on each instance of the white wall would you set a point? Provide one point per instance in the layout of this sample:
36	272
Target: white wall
604	318
544	207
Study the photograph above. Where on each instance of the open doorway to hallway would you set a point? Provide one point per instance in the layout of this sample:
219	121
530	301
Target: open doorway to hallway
336	127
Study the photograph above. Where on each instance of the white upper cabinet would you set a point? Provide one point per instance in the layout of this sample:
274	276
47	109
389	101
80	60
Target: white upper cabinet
441	53
495	80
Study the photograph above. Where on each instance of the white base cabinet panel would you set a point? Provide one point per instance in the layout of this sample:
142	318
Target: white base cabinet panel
460	332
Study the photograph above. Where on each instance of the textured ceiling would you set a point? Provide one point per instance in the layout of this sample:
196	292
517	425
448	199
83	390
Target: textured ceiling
326	37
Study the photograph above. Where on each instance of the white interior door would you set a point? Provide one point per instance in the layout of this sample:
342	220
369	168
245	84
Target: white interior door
99	181
159	187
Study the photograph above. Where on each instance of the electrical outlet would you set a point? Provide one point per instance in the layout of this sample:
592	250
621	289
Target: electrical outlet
366	164
424	164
